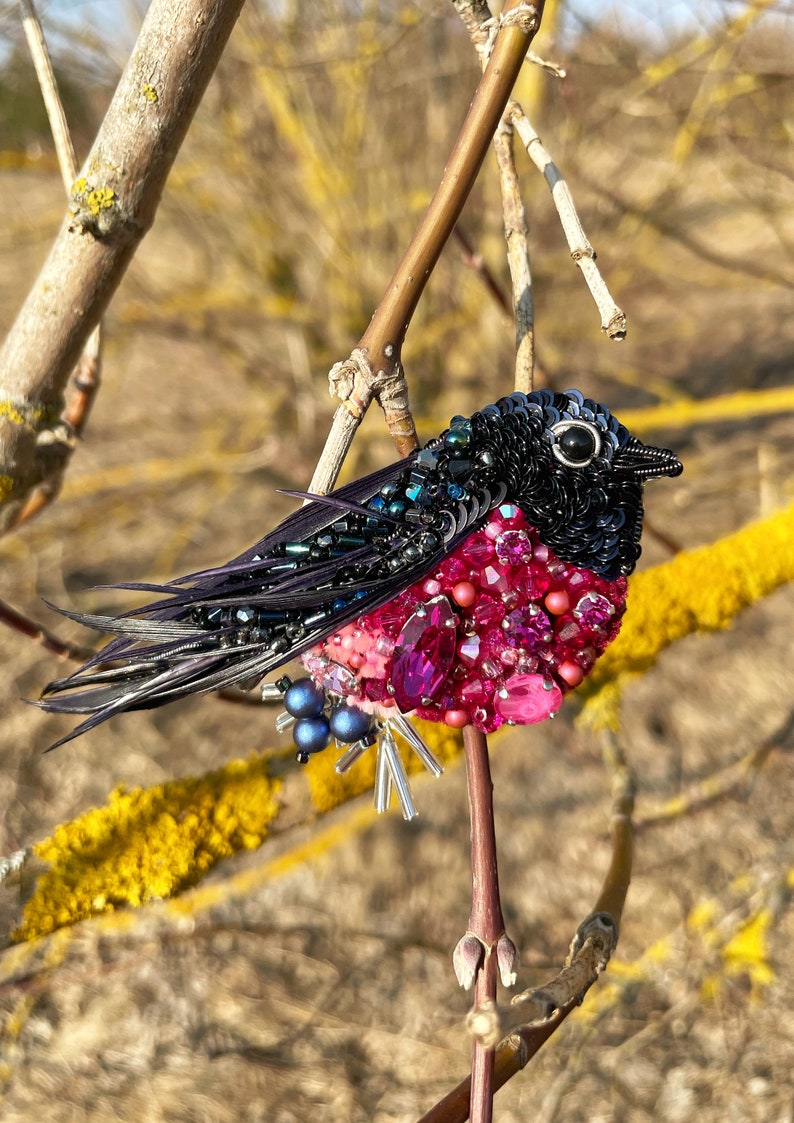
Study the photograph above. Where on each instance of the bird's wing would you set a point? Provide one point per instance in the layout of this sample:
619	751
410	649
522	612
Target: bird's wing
236	623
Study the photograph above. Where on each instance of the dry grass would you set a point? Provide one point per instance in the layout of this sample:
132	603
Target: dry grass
326	991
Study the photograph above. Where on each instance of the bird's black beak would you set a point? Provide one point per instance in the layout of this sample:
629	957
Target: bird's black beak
646	462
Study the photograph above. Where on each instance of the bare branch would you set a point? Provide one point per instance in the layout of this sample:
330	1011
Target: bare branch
374	369
54	446
42	63
475	261
542	1010
113	204
516	231
478	24
613	318
18	622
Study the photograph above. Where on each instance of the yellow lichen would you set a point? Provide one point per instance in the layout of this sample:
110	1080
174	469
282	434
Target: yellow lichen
149	844
100	199
93	199
746	952
150	93
697	591
29	414
10	412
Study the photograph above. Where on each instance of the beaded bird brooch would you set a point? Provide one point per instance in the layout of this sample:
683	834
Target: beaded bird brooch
476	581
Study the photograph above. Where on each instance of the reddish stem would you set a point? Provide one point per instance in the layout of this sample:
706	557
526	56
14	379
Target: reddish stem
27	627
486	921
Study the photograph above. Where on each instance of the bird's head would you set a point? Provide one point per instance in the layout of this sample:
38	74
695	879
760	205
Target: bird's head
577	473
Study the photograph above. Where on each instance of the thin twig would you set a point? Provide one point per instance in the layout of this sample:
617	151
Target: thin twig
516	231
475	261
374	369
613	318
55	445
42	63
726	783
18	622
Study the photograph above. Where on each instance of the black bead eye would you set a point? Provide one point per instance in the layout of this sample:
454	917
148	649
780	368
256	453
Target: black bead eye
576	443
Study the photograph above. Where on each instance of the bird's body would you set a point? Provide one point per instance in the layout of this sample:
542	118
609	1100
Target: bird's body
466	582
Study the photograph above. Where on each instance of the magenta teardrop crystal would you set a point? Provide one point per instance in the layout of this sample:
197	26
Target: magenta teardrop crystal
424	653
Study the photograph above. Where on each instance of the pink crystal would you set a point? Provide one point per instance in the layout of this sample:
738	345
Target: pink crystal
455	569
375	690
477	550
527	627
486	611
338	679
567	629
469	650
532	580
472	691
493	578
527	699
482	719
513	547
593	610
390	618
510	600
424	654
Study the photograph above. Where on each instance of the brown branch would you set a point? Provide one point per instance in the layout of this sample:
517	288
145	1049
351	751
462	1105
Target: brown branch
54	446
374	368
486	923
725	783
591	948
113	205
475	261
22	624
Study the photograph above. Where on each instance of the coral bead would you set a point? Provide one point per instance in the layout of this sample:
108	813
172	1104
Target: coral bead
571	672
456	719
464	594
558	602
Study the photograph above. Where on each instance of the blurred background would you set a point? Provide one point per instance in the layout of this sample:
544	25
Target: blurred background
328	993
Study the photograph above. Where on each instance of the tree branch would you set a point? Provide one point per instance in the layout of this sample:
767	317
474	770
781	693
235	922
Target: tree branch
540	1011
113	205
374	368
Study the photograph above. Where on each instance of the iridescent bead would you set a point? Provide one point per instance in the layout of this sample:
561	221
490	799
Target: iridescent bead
304	699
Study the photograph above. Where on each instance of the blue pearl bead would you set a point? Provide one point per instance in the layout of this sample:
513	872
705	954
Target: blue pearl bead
349	724
304	699
311	734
